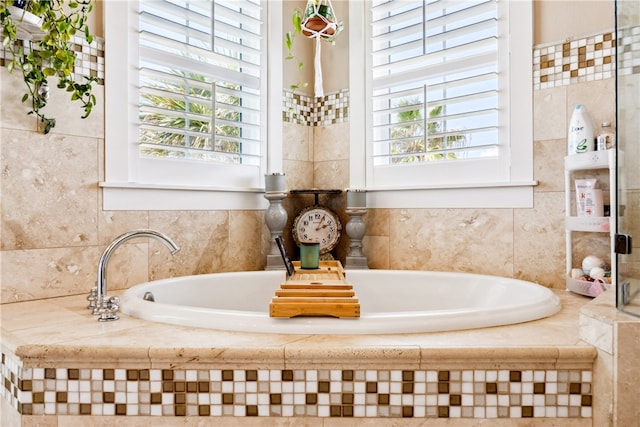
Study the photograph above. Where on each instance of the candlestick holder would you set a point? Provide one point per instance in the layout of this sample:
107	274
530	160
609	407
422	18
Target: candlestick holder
356	229
276	219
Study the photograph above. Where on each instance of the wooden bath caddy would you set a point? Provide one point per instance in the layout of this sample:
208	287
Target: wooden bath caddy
320	292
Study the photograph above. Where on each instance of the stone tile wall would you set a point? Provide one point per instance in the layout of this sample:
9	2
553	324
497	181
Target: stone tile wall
54	228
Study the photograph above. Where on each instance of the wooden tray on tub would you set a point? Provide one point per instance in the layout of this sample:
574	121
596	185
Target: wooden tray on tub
320	292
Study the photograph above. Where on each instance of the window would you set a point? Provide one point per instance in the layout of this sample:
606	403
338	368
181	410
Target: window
448	97
187	114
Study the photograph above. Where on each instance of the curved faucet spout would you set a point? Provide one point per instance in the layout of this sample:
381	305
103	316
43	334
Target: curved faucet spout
104	259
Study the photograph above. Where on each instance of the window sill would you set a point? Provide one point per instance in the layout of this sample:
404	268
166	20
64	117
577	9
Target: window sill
481	195
136	196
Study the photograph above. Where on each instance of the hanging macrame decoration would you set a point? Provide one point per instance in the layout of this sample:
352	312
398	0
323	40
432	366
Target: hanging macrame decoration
320	23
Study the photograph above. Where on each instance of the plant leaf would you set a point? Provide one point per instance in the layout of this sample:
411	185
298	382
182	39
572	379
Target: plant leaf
61	55
288	40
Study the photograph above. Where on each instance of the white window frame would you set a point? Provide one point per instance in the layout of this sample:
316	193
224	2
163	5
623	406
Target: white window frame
121	189
514	188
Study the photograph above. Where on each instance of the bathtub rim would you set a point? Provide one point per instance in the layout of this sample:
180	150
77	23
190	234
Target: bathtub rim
132	304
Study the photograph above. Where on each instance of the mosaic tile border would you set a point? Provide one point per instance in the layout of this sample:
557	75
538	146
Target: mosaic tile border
305	110
89	57
574	61
587	59
379	393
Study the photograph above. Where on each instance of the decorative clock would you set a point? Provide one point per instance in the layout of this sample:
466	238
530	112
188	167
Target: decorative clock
317	224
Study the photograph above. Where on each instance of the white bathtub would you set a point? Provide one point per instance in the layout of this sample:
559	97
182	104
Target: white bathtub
391	301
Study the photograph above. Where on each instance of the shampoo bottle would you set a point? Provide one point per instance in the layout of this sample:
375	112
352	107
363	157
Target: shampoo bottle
581	134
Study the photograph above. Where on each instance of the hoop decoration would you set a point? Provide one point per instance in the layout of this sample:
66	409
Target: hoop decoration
320	23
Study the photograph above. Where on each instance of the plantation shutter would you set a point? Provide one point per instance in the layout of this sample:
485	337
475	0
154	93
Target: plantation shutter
434	82
199	80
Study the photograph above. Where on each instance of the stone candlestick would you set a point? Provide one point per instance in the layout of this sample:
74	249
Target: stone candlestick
275	217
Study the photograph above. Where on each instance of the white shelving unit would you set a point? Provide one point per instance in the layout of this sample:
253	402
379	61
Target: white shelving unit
592	160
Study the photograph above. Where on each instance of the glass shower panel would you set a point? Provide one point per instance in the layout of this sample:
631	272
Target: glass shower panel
628	151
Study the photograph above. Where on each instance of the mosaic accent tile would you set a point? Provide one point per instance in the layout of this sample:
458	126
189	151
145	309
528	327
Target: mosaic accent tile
329	109
89	57
587	59
385	393
629	50
574	61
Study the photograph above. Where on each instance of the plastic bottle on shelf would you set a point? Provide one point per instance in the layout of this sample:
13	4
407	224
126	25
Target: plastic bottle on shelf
581	135
606	137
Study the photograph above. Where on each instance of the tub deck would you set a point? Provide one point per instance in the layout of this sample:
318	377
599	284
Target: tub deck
61	333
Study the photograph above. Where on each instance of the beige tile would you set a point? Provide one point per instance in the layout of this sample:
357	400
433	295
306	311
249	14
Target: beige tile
112	224
246	252
299	174
203	237
330	352
68	114
376	249
13	112
548	164
627	377
49	194
377	221
45	273
597	333
550	114
331	174
331	142
539	240
468	240
297	142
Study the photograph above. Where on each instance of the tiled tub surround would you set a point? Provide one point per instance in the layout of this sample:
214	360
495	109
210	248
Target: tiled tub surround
51	336
58	361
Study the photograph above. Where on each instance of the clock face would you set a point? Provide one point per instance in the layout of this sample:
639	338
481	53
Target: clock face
317	224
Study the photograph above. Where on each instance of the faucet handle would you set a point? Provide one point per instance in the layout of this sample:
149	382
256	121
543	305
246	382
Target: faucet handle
114	303
92	298
109	309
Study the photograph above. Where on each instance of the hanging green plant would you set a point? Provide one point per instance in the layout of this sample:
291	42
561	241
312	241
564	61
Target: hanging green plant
49	26
317	21
288	42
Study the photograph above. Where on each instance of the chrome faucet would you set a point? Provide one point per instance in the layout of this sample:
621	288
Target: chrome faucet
107	307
